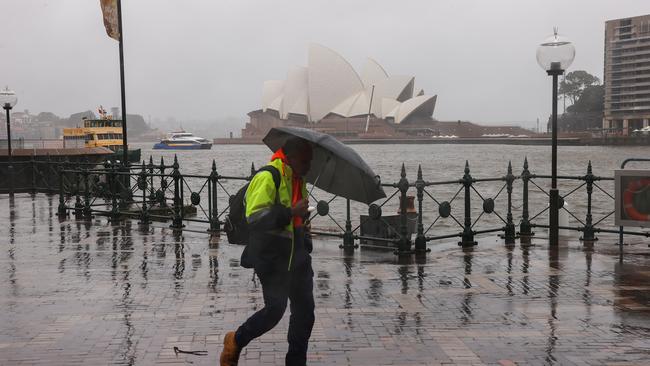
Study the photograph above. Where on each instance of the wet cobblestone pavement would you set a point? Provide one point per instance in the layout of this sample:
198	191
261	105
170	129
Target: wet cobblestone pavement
93	293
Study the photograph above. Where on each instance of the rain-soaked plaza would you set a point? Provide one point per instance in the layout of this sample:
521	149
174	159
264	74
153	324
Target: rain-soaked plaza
88	292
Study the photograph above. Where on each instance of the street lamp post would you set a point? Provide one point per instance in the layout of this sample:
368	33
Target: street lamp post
554	55
8	100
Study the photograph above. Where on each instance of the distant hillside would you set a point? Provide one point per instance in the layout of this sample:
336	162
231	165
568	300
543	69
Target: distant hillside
209	129
135	123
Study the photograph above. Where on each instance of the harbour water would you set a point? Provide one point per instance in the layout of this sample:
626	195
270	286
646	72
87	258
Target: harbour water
439	162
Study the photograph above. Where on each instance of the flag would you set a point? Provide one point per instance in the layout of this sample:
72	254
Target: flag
109	9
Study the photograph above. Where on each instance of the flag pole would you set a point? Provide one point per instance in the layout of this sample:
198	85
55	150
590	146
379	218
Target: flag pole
125	153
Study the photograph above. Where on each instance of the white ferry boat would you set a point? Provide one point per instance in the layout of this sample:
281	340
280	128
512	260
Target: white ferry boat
182	140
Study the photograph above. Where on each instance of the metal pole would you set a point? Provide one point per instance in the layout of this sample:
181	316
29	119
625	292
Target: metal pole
372	93
10	169
7	109
125	153
554	193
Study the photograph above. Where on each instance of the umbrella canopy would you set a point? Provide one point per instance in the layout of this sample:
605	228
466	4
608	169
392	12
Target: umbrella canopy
335	168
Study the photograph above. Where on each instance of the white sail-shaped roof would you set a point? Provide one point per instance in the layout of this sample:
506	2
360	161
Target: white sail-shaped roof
331	81
372	73
295	92
276	104
271	91
394	87
355	105
422	105
388	105
329	85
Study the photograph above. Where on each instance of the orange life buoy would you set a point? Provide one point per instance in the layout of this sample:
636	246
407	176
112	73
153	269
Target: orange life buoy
635	186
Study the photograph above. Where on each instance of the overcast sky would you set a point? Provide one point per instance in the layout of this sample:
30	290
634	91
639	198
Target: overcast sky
206	59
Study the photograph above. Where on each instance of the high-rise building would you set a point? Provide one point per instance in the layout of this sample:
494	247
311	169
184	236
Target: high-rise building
627	74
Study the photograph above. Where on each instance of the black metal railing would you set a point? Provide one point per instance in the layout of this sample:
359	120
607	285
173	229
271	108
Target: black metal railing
461	208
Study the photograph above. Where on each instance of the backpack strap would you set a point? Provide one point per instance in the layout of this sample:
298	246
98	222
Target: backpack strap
276	178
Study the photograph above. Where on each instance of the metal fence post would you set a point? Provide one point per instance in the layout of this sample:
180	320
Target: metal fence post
46	177
524	226
468	235
348	238
86	210
78	206
162	201
114	189
33	163
213	208
142	185
404	243
509	234
177	219
420	239
62	213
152	193
588	230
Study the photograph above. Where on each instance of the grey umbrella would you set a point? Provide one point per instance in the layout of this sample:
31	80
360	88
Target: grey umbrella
335	168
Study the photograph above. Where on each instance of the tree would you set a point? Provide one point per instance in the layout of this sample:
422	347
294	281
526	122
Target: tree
591	100
587	112
47	117
136	124
575	83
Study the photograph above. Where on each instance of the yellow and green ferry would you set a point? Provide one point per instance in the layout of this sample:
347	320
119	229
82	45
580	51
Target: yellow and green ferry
103	132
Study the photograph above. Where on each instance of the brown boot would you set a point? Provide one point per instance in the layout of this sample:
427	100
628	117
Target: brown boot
230	352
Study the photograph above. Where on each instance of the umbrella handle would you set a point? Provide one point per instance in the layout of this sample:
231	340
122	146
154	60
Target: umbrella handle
318	176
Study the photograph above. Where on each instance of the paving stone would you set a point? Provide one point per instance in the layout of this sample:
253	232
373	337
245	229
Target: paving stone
92	293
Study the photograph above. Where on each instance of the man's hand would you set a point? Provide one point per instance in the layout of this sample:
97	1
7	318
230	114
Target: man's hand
300	208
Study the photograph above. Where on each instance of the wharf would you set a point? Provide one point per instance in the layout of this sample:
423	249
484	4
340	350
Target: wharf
92	154
91	292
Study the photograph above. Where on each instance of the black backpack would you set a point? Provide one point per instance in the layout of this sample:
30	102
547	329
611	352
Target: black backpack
236	227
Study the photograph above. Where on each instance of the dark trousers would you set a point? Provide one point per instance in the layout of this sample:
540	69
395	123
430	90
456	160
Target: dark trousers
296	286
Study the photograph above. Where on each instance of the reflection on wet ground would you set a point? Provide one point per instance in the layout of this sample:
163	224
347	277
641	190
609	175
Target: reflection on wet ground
76	292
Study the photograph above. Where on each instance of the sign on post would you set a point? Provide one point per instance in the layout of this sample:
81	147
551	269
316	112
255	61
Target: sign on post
632	197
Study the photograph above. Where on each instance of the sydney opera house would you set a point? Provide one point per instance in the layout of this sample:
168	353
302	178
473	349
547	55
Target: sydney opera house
331	96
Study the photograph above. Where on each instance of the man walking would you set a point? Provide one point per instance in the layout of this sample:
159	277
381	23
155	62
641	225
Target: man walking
278	249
